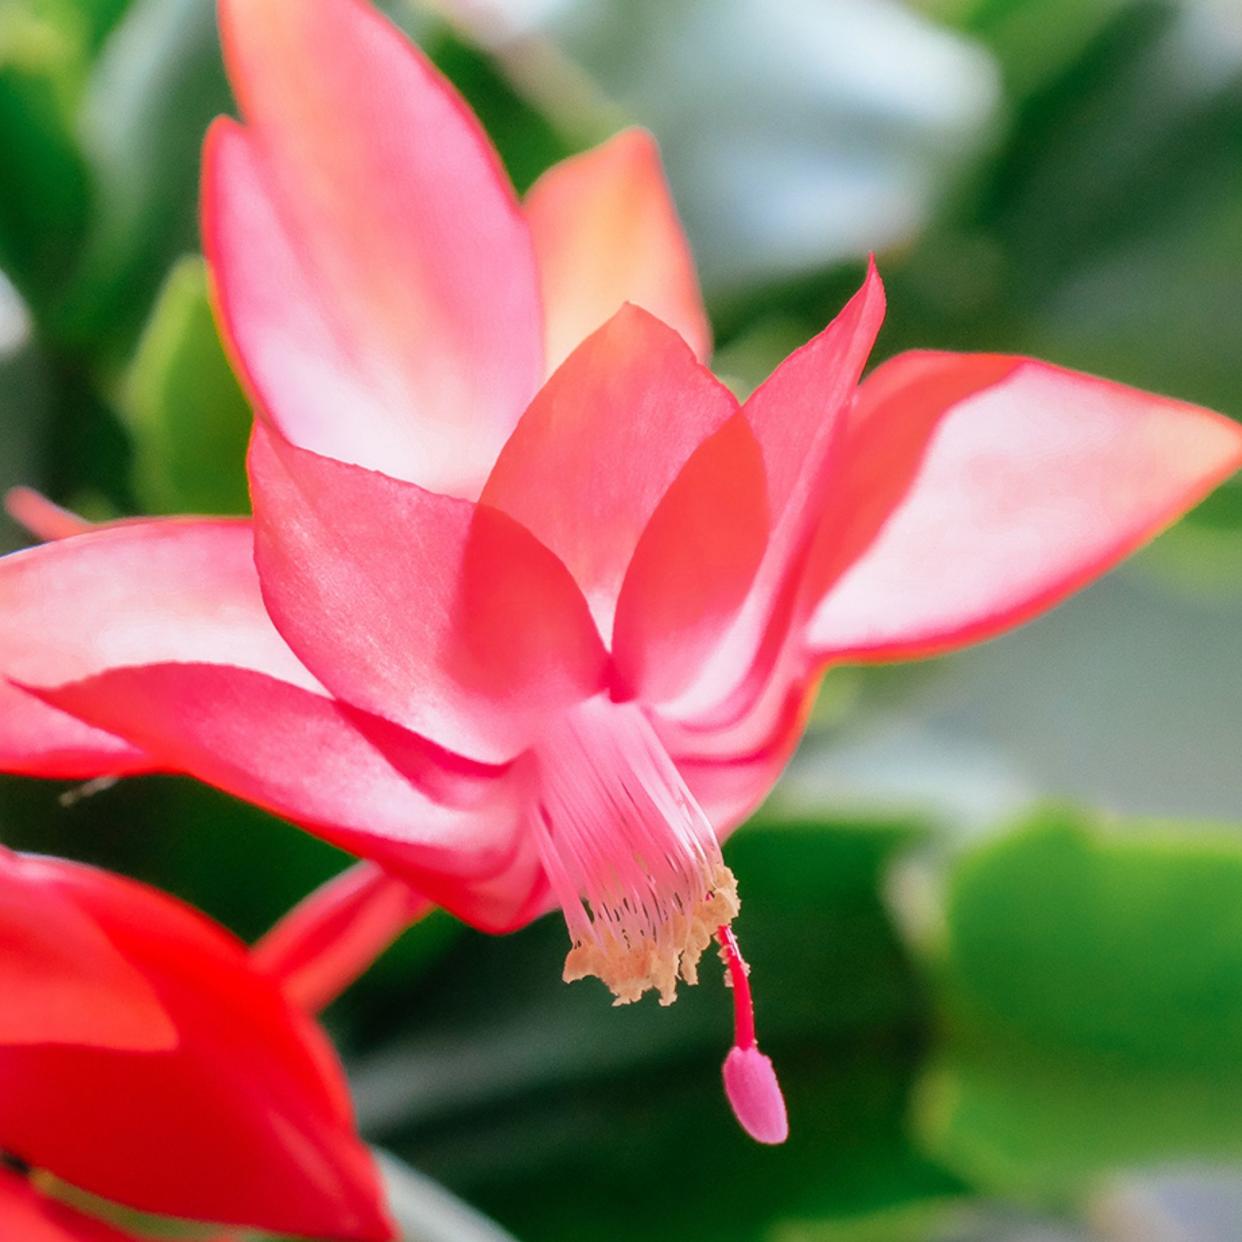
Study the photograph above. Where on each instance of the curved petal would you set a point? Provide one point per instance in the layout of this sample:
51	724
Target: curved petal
606	232
358	781
268	1103
26	1216
374	271
694	564
329	938
126	628
134	594
38	740
35	738
42	517
998	486
798	416
732	768
62	980
600	445
441	615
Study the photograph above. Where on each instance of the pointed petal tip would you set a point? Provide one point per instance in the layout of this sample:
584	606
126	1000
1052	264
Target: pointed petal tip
755	1095
873	282
606	230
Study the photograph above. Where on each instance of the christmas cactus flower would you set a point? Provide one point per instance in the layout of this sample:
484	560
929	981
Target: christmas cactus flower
531	609
145	1060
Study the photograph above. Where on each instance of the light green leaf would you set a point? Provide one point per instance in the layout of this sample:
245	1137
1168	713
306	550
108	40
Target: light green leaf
188	417
1094	995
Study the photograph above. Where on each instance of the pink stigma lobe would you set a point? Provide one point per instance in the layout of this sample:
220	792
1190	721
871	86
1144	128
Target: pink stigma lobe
755	1095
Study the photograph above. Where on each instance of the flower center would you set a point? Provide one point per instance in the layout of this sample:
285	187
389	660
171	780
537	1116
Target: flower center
637	869
630	855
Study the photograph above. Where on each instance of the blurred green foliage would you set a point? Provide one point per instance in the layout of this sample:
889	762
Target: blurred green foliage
184	409
967	1016
1090	979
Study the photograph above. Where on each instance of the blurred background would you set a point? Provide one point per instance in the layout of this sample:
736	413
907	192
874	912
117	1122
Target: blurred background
995	908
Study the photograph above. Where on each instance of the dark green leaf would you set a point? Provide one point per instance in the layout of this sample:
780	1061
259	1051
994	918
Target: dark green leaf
43	194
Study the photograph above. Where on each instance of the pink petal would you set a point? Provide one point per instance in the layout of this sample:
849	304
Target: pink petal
156	633
731	768
606	232
990	488
332	936
36	739
40	516
62	979
135	594
360	782
245	1119
798	416
600	445
443	616
374	270
39	740
693	566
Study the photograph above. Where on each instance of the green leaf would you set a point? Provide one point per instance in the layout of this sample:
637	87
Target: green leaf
1094	1000
1044	1124
43	201
919	1221
1118	943
186	413
1035	39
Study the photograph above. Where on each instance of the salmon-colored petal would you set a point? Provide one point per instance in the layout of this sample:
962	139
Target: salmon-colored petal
365	242
798	416
998	486
601	444
27	1216
606	232
694	564
270	1142
446	617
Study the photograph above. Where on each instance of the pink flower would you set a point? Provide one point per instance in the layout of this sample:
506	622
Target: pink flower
531	610
143	1058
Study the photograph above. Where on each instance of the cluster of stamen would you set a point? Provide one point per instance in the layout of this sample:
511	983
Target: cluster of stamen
632	858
